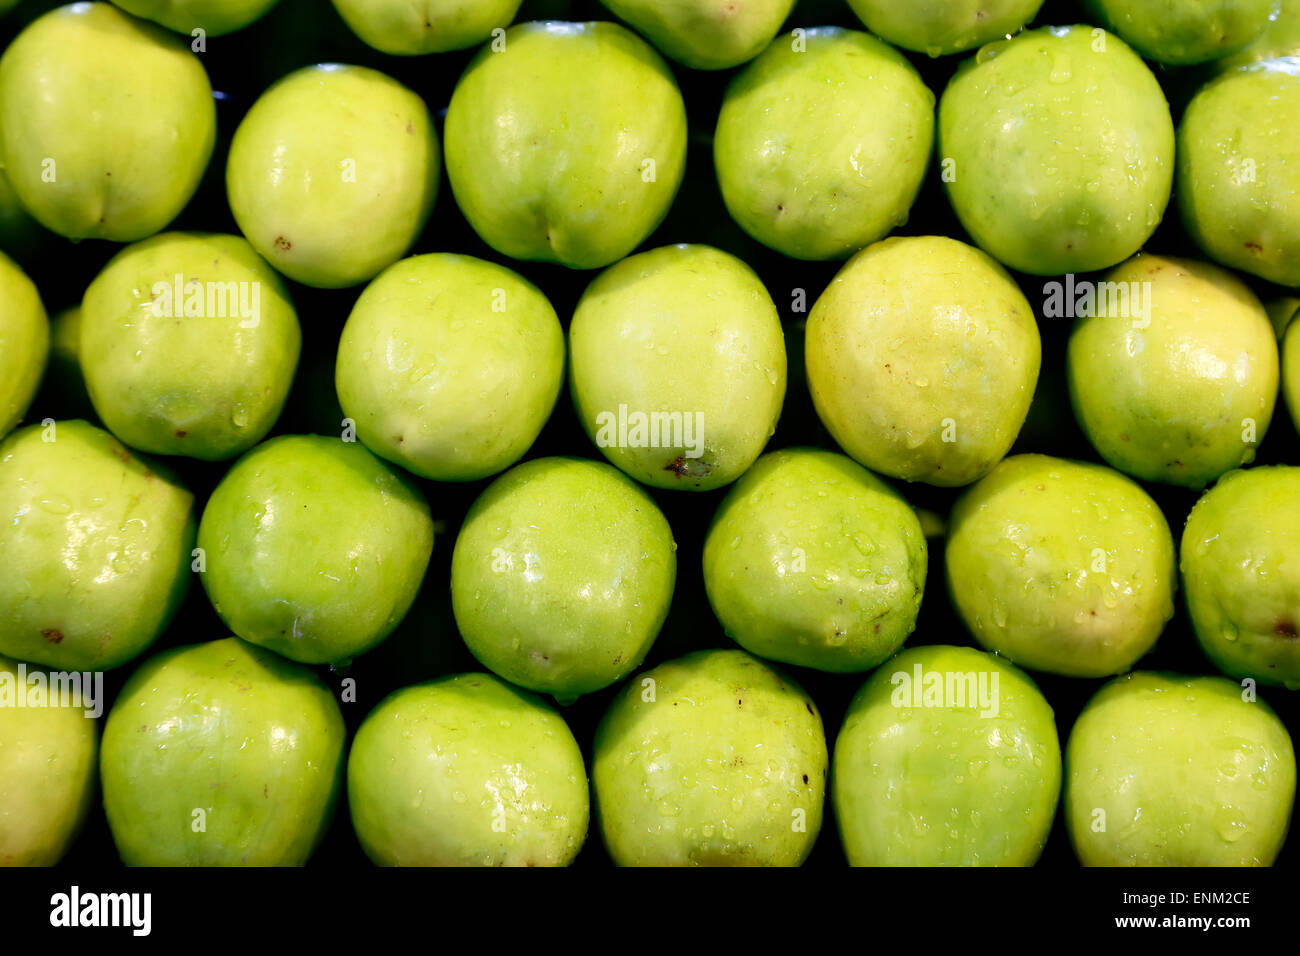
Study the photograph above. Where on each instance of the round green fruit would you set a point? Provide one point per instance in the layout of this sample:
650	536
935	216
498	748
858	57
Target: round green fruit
24	343
1240	577
568	145
1061	566
96	545
562	576
230	736
1239	170
813	560
713	759
1173	371
48	758
939	27
415	27
922	359
1182	32
83	162
214	17
1057	150
678	366
705	34
821	149
333	173
1280	38
1291	370
467	771
189	344
1166	770
450	366
314	548
947	757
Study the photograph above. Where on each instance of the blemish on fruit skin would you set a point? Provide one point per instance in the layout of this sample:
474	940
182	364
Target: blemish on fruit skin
53	635
1285	627
283	244
181	433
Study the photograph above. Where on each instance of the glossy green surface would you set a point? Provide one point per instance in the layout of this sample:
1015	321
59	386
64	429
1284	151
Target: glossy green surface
450	366
1181	32
705	34
938	27
96	545
414	27
221	754
713	759
562	576
214	17
1240	574
813	560
467	771
1167	770
947	757
24	343
1239	170
190	343
84	164
922	358
683	330
569	145
333	173
1059	148
1061	566
314	547
1281	37
821	149
47	773
1179	386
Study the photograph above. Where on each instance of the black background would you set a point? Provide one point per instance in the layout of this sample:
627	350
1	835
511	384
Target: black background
301	32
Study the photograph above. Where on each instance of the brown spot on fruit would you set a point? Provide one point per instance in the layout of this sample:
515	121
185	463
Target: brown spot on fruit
1255	247
53	635
283	244
181	433
1285	627
805	778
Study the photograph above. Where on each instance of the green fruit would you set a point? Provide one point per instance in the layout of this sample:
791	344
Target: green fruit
96	545
47	773
215	17
20	234
228	736
922	359
1173	373
64	381
24	343
450	366
1291	370
333	173
562	576
1281	37
939	27
678	366
947	757
1239	170
822	150
1182	32
106	122
1241	580
1057	150
1061	566
568	145
409	28
467	771
713	759
189	344
813	560
1166	770
314	548
705	34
